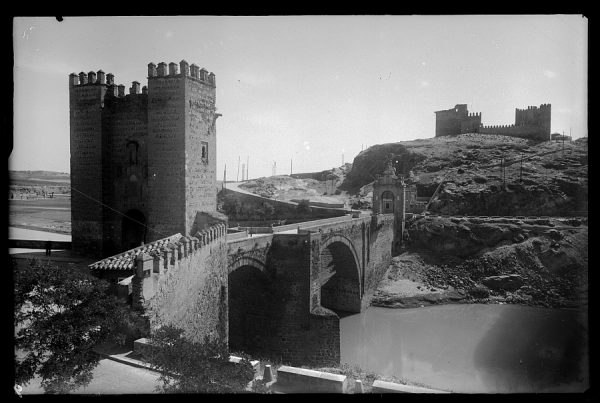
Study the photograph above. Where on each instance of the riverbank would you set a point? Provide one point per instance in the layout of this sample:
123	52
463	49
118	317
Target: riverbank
546	270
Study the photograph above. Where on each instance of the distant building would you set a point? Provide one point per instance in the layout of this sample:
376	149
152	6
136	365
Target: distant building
531	123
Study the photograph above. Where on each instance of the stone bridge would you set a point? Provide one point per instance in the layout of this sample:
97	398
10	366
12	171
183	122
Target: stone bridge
287	289
276	293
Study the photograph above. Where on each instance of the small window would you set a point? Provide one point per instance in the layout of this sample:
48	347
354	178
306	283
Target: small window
204	152
132	152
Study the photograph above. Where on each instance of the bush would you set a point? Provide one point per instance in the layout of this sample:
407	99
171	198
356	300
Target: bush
188	367
303	206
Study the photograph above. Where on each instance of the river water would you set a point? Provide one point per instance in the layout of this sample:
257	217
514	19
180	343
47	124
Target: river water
472	348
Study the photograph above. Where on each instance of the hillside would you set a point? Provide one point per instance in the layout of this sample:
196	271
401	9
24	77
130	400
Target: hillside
538	179
318	187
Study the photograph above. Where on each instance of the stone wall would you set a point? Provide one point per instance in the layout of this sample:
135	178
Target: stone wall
379	257
86	143
166	156
251	204
186	286
125	164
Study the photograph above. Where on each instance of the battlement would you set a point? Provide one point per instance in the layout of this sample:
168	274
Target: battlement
176	252
183	69
90	78
150	268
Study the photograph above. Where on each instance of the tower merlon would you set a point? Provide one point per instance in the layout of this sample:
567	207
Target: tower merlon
83	78
151	70
135	88
144	90
203	74
162	69
73	79
121	90
184	67
194	70
92	77
173	69
101	77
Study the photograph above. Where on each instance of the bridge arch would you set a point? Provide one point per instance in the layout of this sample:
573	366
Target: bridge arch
340	275
250	298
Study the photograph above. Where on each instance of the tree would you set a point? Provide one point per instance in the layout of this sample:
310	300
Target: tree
189	367
303	206
61	315
231	206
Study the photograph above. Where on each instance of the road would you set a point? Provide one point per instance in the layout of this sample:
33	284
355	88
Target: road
110	377
21	233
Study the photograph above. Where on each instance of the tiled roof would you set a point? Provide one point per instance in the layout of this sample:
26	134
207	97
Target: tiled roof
126	260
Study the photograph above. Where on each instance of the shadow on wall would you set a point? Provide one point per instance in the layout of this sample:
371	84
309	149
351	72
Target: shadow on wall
525	351
205	220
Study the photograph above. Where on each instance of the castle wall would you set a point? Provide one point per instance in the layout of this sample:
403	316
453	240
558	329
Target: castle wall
166	156
186	287
125	170
86	142
200	123
524	131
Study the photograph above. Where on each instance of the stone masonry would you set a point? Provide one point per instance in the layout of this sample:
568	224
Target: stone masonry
531	123
143	164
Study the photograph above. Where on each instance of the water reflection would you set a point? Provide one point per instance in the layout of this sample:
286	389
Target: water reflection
472	348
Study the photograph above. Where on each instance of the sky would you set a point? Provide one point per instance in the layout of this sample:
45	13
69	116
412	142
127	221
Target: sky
307	91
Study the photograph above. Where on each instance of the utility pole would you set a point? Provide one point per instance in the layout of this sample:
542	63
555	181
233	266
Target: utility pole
342	159
521	173
237	178
247	165
290	167
403	211
503	174
563	146
224	176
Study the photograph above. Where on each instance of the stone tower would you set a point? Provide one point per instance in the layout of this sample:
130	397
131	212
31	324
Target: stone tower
143	164
86	98
182	146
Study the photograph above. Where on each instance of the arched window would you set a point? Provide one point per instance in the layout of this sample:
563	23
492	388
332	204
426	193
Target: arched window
132	152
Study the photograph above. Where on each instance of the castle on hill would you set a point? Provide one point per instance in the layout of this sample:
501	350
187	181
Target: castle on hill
531	123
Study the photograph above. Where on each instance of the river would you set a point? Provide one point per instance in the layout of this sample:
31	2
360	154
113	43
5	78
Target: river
472	348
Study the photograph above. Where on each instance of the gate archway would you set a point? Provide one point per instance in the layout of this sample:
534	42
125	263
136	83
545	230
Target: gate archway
133	229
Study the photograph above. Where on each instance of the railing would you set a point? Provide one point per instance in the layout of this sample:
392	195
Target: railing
35	244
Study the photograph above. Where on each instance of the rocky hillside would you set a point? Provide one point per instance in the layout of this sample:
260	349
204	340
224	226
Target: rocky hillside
540	262
318	187
484	174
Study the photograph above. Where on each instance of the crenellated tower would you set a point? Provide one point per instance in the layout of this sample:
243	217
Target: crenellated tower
86	100
143	163
182	146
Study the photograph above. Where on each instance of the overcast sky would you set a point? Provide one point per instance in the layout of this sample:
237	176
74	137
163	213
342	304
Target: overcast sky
307	88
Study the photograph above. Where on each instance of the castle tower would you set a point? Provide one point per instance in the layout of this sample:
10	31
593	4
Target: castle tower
182	147
86	97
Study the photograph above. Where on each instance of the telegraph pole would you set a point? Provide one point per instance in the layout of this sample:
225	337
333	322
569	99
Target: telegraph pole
224	176
503	174
247	165
521	173
290	167
237	178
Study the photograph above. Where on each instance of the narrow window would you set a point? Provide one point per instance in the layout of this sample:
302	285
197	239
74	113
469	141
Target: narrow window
204	152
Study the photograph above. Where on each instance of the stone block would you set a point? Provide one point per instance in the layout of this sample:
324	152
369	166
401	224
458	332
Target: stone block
389	387
300	380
